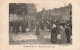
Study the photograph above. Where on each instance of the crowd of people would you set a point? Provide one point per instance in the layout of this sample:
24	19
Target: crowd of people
60	30
17	26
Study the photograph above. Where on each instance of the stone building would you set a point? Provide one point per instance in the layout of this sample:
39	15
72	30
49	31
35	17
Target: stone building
62	13
67	12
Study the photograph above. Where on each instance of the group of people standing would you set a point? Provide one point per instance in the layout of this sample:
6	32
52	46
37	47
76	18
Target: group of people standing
61	33
17	25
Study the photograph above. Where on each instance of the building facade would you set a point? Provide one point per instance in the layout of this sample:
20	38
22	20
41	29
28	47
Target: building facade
62	13
67	12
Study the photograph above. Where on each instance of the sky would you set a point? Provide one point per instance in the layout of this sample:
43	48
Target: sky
47	4
51	4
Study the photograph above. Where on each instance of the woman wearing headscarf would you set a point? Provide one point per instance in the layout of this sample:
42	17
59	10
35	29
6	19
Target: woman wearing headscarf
54	34
63	34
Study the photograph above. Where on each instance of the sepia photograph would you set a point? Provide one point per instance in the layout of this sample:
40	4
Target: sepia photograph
31	24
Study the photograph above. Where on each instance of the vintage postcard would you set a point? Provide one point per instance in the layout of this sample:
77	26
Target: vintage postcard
39	24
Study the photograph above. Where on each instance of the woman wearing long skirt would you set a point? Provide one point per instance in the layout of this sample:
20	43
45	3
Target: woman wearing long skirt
63	35
54	34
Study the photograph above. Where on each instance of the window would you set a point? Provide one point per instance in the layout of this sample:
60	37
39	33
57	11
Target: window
70	12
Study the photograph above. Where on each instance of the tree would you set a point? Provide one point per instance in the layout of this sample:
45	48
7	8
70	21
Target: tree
18	8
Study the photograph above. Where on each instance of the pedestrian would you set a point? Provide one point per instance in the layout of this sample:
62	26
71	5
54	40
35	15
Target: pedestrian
68	32
26	24
63	39
42	25
16	26
49	25
23	26
54	34
10	26
32	25
37	28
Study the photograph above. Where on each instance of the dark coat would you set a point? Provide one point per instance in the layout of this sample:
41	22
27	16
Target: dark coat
54	35
68	31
